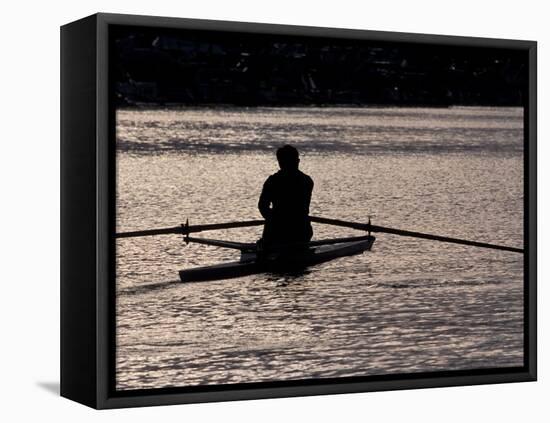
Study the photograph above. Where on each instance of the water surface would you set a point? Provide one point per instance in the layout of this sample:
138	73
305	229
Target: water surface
409	305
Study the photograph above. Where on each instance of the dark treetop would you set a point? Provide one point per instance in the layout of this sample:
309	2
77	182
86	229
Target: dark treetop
159	67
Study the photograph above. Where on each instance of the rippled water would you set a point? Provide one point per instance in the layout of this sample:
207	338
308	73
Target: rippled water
409	305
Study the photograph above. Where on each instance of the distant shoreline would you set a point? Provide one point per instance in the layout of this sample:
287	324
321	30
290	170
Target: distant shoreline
175	106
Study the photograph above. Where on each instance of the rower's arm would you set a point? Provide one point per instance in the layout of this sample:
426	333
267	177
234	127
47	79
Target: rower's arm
264	205
309	191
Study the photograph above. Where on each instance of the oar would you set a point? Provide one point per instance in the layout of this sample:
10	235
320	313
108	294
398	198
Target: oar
401	232
187	229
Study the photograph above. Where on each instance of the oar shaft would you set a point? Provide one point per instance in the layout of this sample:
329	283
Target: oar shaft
421	235
147	232
401	232
183	230
338	222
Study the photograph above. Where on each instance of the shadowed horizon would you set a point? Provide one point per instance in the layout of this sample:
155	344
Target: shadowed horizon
161	66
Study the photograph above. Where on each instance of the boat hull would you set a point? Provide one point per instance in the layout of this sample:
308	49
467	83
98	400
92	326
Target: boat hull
280	263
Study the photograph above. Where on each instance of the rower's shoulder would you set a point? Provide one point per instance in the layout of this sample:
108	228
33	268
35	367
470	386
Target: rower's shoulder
307	178
272	177
271	180
283	177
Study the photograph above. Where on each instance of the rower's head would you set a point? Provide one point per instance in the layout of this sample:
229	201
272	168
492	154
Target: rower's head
288	157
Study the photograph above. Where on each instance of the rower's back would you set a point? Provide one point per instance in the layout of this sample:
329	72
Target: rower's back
284	201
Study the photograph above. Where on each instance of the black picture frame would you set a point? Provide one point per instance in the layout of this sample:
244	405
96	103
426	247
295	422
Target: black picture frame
87	224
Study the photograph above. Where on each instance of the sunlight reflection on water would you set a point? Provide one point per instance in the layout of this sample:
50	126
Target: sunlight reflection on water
408	306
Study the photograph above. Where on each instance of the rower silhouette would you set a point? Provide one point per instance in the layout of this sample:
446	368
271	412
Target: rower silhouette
284	202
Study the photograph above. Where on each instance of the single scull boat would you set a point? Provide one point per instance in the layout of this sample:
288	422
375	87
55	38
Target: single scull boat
290	260
289	257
